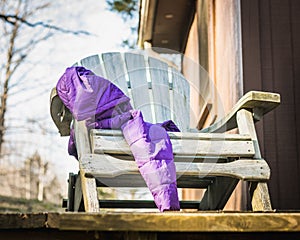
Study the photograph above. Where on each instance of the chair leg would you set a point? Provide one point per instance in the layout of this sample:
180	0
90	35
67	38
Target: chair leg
71	192
78	197
218	193
259	191
260	198
89	193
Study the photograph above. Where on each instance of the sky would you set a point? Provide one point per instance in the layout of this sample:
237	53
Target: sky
108	30
48	62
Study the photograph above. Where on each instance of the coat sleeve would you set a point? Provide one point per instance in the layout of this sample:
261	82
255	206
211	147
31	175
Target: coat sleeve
152	150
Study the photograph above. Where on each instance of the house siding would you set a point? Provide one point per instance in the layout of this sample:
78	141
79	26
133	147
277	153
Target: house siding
271	62
223	63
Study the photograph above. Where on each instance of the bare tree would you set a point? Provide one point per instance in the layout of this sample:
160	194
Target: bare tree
21	32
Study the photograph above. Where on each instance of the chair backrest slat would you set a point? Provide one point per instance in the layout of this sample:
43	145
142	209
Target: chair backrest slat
115	70
139	85
93	63
160	89
161	92
181	100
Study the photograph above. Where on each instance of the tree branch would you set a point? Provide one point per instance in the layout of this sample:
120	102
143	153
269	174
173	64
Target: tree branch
12	19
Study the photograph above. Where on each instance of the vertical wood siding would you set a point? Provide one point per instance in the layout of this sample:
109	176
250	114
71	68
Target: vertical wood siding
271	62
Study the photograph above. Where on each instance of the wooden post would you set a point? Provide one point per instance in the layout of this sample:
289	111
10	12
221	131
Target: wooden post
258	190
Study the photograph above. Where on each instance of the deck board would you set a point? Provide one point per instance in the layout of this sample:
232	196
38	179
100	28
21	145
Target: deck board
206	221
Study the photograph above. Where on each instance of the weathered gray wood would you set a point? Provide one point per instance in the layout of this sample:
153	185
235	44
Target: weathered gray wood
161	93
139	85
259	191
181	100
89	192
192	144
160	89
82	138
181	135
93	63
261	102
219	192
115	70
246	126
88	185
97	165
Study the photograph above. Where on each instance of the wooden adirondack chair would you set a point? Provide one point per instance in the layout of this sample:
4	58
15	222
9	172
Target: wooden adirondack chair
210	158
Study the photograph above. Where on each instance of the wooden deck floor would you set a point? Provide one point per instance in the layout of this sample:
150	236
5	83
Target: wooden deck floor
134	225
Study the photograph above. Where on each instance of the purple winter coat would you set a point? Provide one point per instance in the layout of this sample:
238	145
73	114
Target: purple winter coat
103	105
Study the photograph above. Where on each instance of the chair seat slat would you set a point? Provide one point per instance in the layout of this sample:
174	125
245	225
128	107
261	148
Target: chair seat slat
196	147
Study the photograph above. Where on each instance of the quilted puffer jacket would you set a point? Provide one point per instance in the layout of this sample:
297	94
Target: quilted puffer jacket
103	105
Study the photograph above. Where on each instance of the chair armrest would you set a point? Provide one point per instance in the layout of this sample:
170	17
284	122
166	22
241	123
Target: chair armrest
259	103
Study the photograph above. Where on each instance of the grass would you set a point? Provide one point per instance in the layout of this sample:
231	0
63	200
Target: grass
11	204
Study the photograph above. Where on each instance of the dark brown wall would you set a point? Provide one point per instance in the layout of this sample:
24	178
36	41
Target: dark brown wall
271	62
